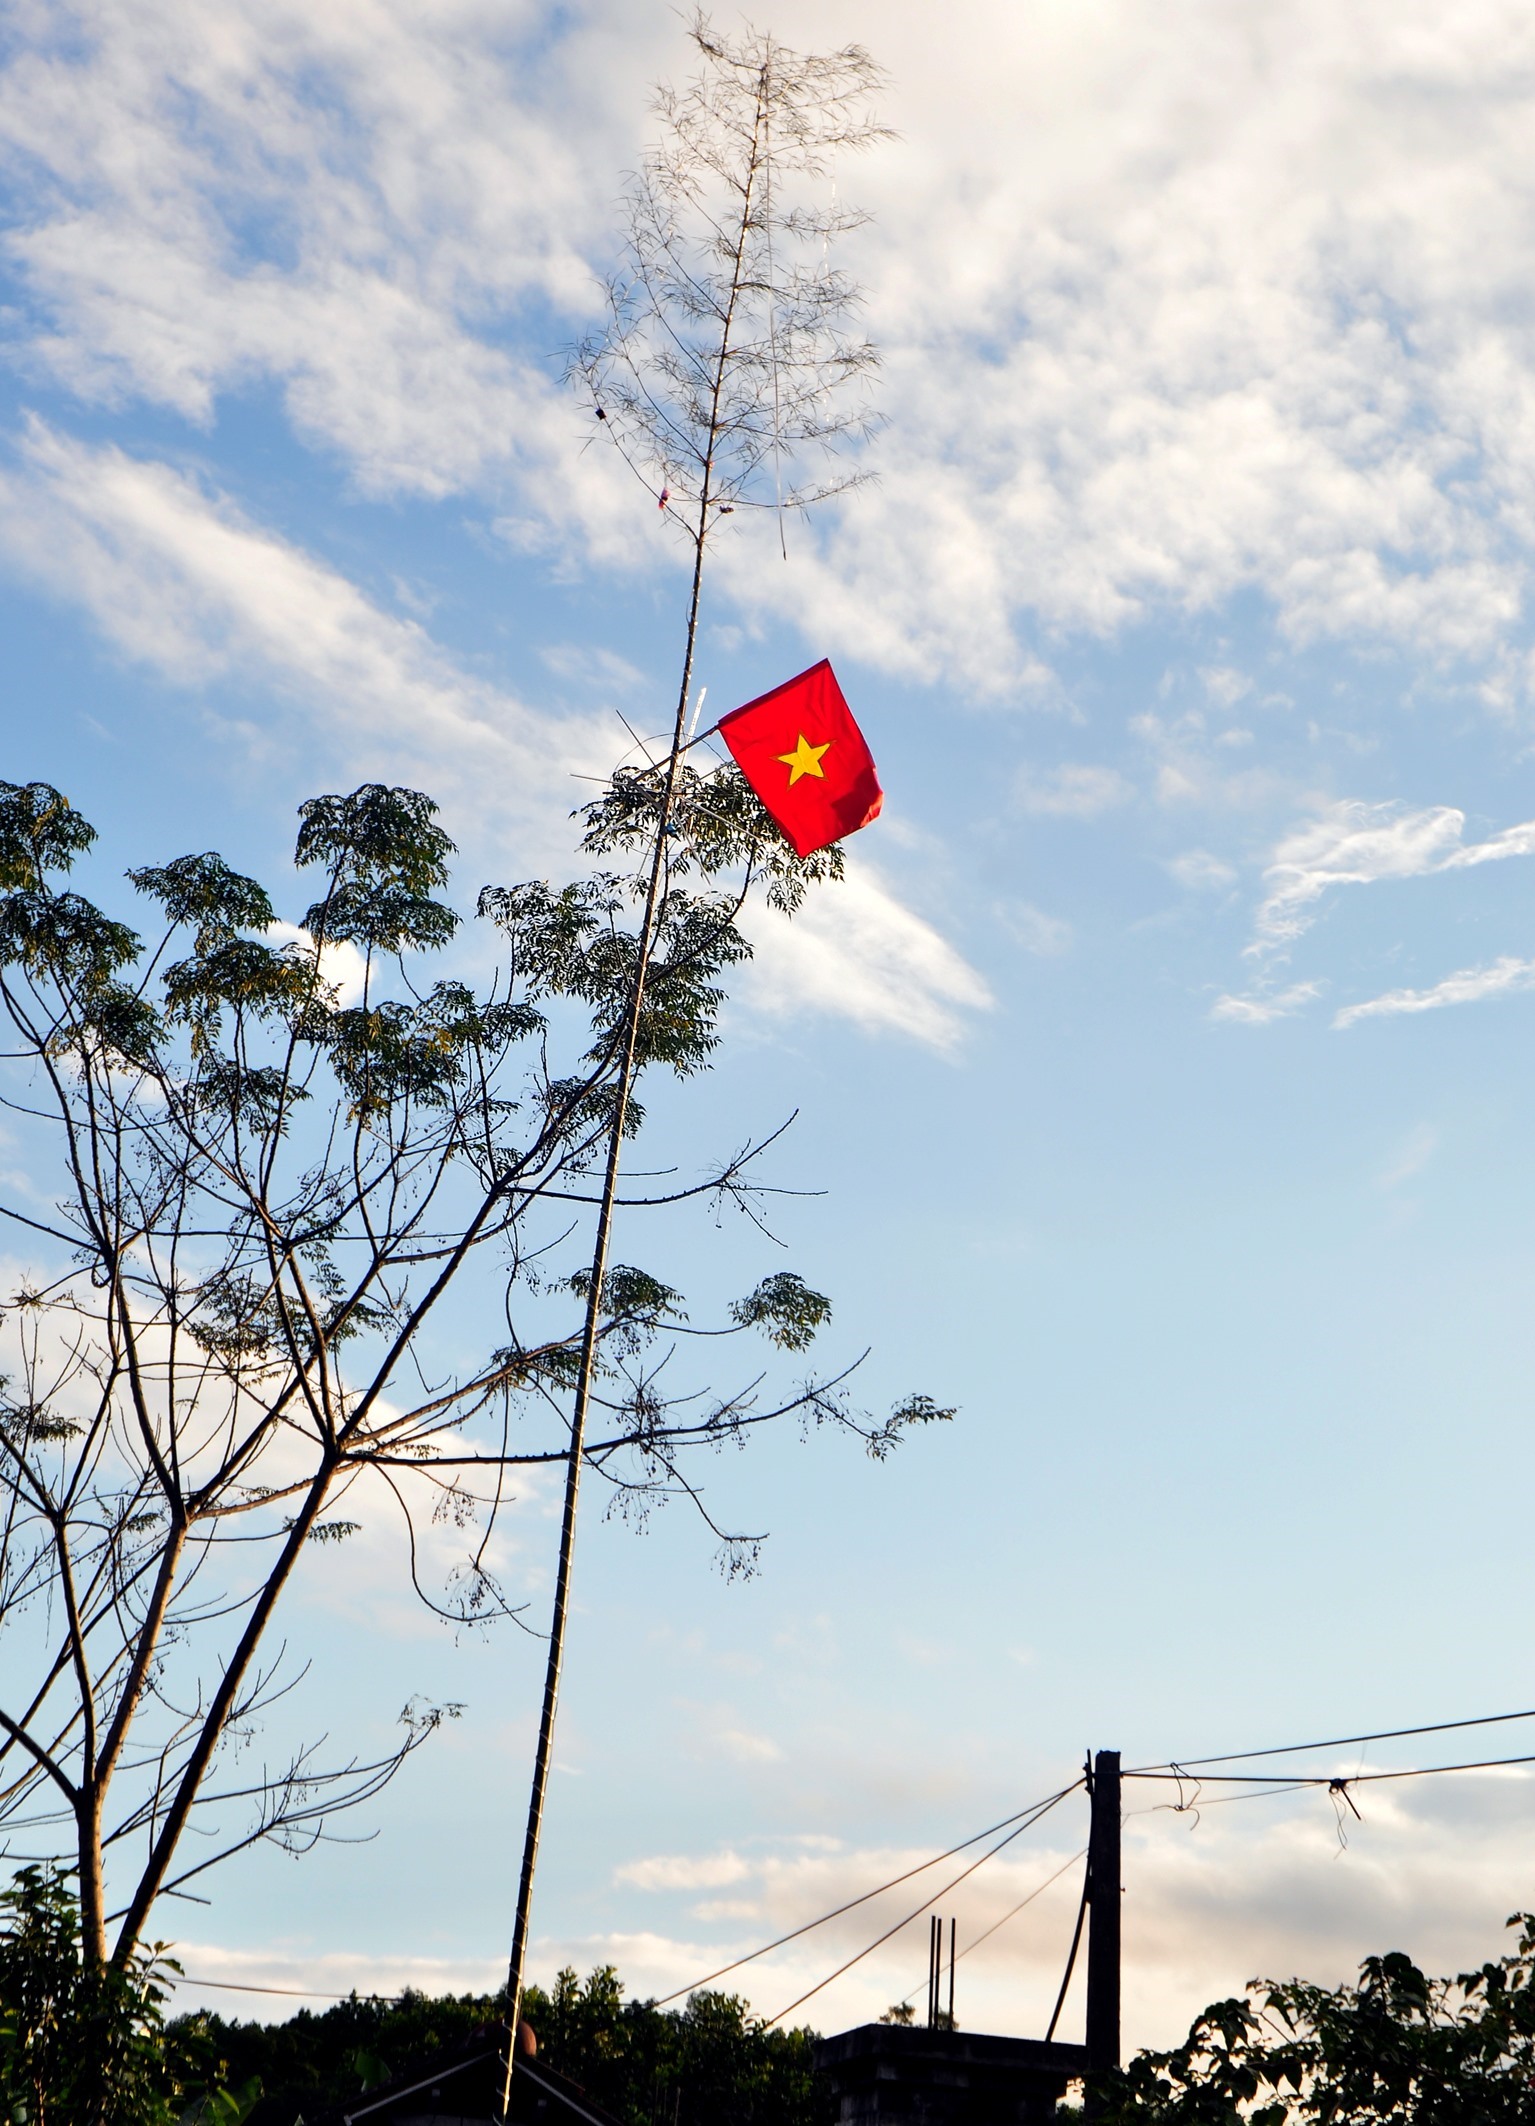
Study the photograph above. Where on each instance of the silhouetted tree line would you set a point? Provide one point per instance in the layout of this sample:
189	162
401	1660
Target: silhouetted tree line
691	2066
80	2041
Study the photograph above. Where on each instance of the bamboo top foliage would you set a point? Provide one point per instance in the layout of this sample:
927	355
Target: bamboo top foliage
730	370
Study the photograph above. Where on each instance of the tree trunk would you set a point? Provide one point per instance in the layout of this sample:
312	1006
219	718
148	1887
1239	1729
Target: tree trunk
93	1900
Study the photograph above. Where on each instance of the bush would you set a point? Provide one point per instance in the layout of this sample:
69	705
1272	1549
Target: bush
1398	2049
87	2045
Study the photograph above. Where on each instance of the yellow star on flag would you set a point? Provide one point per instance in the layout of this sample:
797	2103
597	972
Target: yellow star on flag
804	760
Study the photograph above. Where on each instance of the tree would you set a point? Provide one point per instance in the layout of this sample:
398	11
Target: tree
268	1188
1398	2049
285	1176
82	2042
708	2061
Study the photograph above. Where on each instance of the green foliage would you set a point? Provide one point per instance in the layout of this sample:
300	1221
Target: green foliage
261	1186
701	2065
313	2061
385	857
709	2061
64	937
572	942
715	823
635	1306
785	1309
204	894
882	1440
1398	2049
84	2045
39	833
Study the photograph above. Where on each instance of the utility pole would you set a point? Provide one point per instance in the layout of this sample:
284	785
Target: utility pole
1103	1894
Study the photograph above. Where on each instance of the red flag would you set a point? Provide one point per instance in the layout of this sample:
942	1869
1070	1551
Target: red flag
802	753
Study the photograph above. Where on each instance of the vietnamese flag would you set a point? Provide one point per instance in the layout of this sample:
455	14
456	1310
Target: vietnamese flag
802	753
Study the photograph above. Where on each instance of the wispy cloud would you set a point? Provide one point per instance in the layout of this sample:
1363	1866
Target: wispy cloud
684	1871
1150	373
1411	1156
1214	1904
1358	844
1260	1008
1472	985
1047	936
182	580
855	950
337	199
1074	791
1201	872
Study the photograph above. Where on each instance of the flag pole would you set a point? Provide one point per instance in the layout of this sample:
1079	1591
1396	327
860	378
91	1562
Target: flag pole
628	1058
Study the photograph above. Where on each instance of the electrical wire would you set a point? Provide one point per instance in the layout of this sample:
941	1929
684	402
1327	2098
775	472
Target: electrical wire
1333	1779
1168	1771
292	1993
1038	1891
926	1905
1033	1812
1335	1742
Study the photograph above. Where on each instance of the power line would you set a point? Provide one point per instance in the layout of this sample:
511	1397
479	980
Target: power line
1180	1768
294	1993
1038	1891
1169	1772
927	1904
1022	1818
1421	1771
1295	1749
1035	1810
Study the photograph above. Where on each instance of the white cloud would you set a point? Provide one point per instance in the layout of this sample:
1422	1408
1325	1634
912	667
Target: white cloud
1165	320
1201	872
1212	1899
341	964
1172	319
1030	927
1074	791
684	1871
343	199
259	1983
1192	766
1470	986
1261	1007
586	664
1356	844
1225	684
184	581
746	1747
854	949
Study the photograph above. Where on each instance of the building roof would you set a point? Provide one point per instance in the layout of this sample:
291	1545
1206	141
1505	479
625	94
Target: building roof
461	2086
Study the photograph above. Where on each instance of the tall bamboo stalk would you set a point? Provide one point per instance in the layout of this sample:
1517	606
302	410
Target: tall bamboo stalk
544	1750
730	435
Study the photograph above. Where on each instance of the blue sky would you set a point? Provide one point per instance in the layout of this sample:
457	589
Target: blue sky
1163	1062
